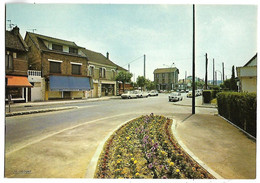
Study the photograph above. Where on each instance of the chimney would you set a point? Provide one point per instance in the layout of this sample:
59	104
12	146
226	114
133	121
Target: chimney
16	31
107	55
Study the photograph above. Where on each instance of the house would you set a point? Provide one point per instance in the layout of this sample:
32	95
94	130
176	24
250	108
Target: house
16	66
103	72
166	78
247	76
57	68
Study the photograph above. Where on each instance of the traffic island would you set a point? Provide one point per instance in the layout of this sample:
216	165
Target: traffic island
145	148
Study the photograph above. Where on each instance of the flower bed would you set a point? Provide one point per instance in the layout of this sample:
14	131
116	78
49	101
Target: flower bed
145	148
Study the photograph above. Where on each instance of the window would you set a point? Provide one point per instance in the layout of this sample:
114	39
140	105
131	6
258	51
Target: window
163	75
57	47
157	75
91	71
73	50
55	67
76	69
113	74
102	72
8	60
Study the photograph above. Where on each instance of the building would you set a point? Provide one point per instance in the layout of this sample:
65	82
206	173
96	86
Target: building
166	78
247	76
57	68
103	71
16	66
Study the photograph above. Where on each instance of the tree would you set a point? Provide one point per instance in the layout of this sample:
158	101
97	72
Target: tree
124	77
141	81
233	84
150	85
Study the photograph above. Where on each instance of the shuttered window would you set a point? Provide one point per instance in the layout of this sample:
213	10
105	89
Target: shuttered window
55	67
76	69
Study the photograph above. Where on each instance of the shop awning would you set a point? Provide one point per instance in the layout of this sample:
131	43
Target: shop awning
69	83
17	81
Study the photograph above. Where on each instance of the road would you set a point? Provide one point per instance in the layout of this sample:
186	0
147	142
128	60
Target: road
61	144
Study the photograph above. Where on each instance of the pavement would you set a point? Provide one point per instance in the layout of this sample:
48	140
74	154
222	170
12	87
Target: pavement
224	150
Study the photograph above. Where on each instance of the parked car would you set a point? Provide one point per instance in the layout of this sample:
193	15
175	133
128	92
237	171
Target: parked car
129	95
189	95
141	94
198	92
175	96
152	93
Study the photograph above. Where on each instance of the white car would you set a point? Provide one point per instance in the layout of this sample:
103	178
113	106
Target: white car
175	96
141	94
153	93
129	95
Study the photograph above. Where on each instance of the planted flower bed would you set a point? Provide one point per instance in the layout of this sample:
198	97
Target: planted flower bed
145	148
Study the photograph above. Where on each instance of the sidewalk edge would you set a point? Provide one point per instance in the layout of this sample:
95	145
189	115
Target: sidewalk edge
212	172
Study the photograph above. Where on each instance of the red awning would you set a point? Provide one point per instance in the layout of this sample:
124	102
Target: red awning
18	81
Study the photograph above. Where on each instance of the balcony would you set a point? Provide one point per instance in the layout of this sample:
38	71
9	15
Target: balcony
34	76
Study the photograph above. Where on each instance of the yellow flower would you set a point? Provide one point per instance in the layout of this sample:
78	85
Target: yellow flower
177	170
163	152
132	159
117	170
135	161
171	164
127	138
131	154
118	156
137	174
118	161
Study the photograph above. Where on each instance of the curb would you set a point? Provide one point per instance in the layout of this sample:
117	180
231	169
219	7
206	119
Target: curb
90	173
201	163
202	106
38	111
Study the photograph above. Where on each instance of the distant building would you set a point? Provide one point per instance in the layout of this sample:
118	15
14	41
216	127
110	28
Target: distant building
16	66
166	78
247	76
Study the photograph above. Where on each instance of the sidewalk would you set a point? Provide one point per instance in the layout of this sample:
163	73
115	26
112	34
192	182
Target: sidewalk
198	103
49	103
218	144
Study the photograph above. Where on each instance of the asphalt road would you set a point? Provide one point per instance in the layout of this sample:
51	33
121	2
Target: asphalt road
61	144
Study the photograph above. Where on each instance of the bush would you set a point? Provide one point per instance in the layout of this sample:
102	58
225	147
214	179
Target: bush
239	108
206	96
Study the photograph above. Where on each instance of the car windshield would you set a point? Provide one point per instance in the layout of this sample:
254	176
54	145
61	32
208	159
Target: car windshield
174	94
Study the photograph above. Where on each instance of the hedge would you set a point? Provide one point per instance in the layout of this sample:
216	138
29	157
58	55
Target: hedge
206	96
239	108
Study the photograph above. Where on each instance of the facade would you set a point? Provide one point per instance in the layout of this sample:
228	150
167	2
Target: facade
103	72
57	68
247	76
166	78
16	66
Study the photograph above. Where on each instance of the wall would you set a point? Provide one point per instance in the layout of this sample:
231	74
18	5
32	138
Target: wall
248	84
76	94
34	55
20	63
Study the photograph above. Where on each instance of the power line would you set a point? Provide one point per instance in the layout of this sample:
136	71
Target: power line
133	60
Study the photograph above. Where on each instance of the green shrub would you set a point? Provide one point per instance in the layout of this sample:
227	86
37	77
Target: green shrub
206	96
239	108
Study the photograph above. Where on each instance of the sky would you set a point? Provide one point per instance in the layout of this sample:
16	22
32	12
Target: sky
227	33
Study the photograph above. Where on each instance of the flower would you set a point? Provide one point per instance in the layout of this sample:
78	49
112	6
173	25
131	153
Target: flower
163	152
164	177
132	159
118	161
137	174
135	161
150	166
118	156
177	170
127	138
171	164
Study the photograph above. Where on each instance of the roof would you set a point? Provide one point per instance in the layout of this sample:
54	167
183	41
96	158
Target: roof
99	58
165	70
38	41
15	41
249	63
18	81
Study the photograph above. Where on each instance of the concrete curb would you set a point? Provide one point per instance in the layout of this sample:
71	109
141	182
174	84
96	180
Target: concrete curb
202	106
38	111
62	102
90	173
201	163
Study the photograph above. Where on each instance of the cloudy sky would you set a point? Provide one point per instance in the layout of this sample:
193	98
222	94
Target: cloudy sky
227	33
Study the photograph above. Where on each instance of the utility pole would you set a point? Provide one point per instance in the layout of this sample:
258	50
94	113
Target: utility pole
128	67
206	75
213	72
144	66
193	64
223	75
216	77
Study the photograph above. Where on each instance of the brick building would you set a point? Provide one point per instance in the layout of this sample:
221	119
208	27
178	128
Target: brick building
60	65
16	66
166	78
103	71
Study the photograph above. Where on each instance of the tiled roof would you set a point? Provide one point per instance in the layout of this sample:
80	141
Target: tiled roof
13	41
165	70
99	58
